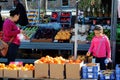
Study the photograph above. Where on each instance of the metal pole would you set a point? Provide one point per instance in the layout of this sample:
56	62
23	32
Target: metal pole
39	3
26	5
76	32
113	30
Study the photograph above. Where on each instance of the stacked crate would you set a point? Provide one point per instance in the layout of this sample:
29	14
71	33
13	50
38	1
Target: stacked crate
90	71
107	75
32	17
117	72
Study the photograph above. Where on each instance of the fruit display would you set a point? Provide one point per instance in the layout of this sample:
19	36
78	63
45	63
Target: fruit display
45	33
87	25
64	18
55	15
2	65
108	75
53	67
82	34
32	17
12	67
66	14
28	67
59	60
63	35
48	59
30	31
118	32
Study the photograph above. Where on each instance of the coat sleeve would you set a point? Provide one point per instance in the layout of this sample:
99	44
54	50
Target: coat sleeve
91	46
8	30
108	47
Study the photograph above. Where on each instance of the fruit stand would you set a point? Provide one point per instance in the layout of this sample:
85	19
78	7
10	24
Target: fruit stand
43	40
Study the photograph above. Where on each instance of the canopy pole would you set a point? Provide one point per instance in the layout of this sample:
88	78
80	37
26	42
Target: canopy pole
26	5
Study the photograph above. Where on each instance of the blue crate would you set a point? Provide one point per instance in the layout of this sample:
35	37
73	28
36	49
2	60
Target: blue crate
90	75
84	75
107	76
91	68
117	77
117	69
102	77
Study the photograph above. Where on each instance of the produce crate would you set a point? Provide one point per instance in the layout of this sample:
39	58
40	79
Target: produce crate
91	67
108	75
117	69
57	71
41	70
1	72
10	73
91	75
72	71
25	73
117	72
117	77
30	31
44	35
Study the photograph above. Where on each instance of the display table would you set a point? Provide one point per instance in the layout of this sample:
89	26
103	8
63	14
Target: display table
83	47
47	45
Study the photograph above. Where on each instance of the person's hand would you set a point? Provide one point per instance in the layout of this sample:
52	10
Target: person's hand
22	32
109	59
88	54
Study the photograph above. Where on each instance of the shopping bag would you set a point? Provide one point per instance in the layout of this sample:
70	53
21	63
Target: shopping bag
3	48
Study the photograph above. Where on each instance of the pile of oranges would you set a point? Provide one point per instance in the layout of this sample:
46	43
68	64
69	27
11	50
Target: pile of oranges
2	65
28	67
57	60
11	67
48	59
16	67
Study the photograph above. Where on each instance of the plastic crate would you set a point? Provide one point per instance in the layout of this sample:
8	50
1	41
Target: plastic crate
117	69
109	75
88	69
90	75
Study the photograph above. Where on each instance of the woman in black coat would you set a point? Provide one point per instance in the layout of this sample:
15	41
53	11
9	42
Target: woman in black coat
23	20
1	21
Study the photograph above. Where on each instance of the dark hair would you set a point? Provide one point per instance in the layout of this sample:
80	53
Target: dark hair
98	28
0	7
14	12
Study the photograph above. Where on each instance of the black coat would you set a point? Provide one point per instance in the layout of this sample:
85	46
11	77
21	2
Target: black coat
23	20
1	22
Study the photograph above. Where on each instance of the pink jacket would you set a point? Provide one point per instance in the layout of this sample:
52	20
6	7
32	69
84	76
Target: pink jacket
104	47
11	30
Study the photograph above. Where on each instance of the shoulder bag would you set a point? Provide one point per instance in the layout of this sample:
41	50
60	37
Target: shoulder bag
4	47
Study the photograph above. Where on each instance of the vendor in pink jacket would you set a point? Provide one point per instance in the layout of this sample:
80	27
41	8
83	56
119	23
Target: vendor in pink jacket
10	30
100	47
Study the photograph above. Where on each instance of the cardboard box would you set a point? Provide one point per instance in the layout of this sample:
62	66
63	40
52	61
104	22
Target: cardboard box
1	72
25	73
10	73
41	70
57	71
73	71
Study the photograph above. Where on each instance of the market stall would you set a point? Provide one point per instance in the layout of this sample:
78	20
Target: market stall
47	36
